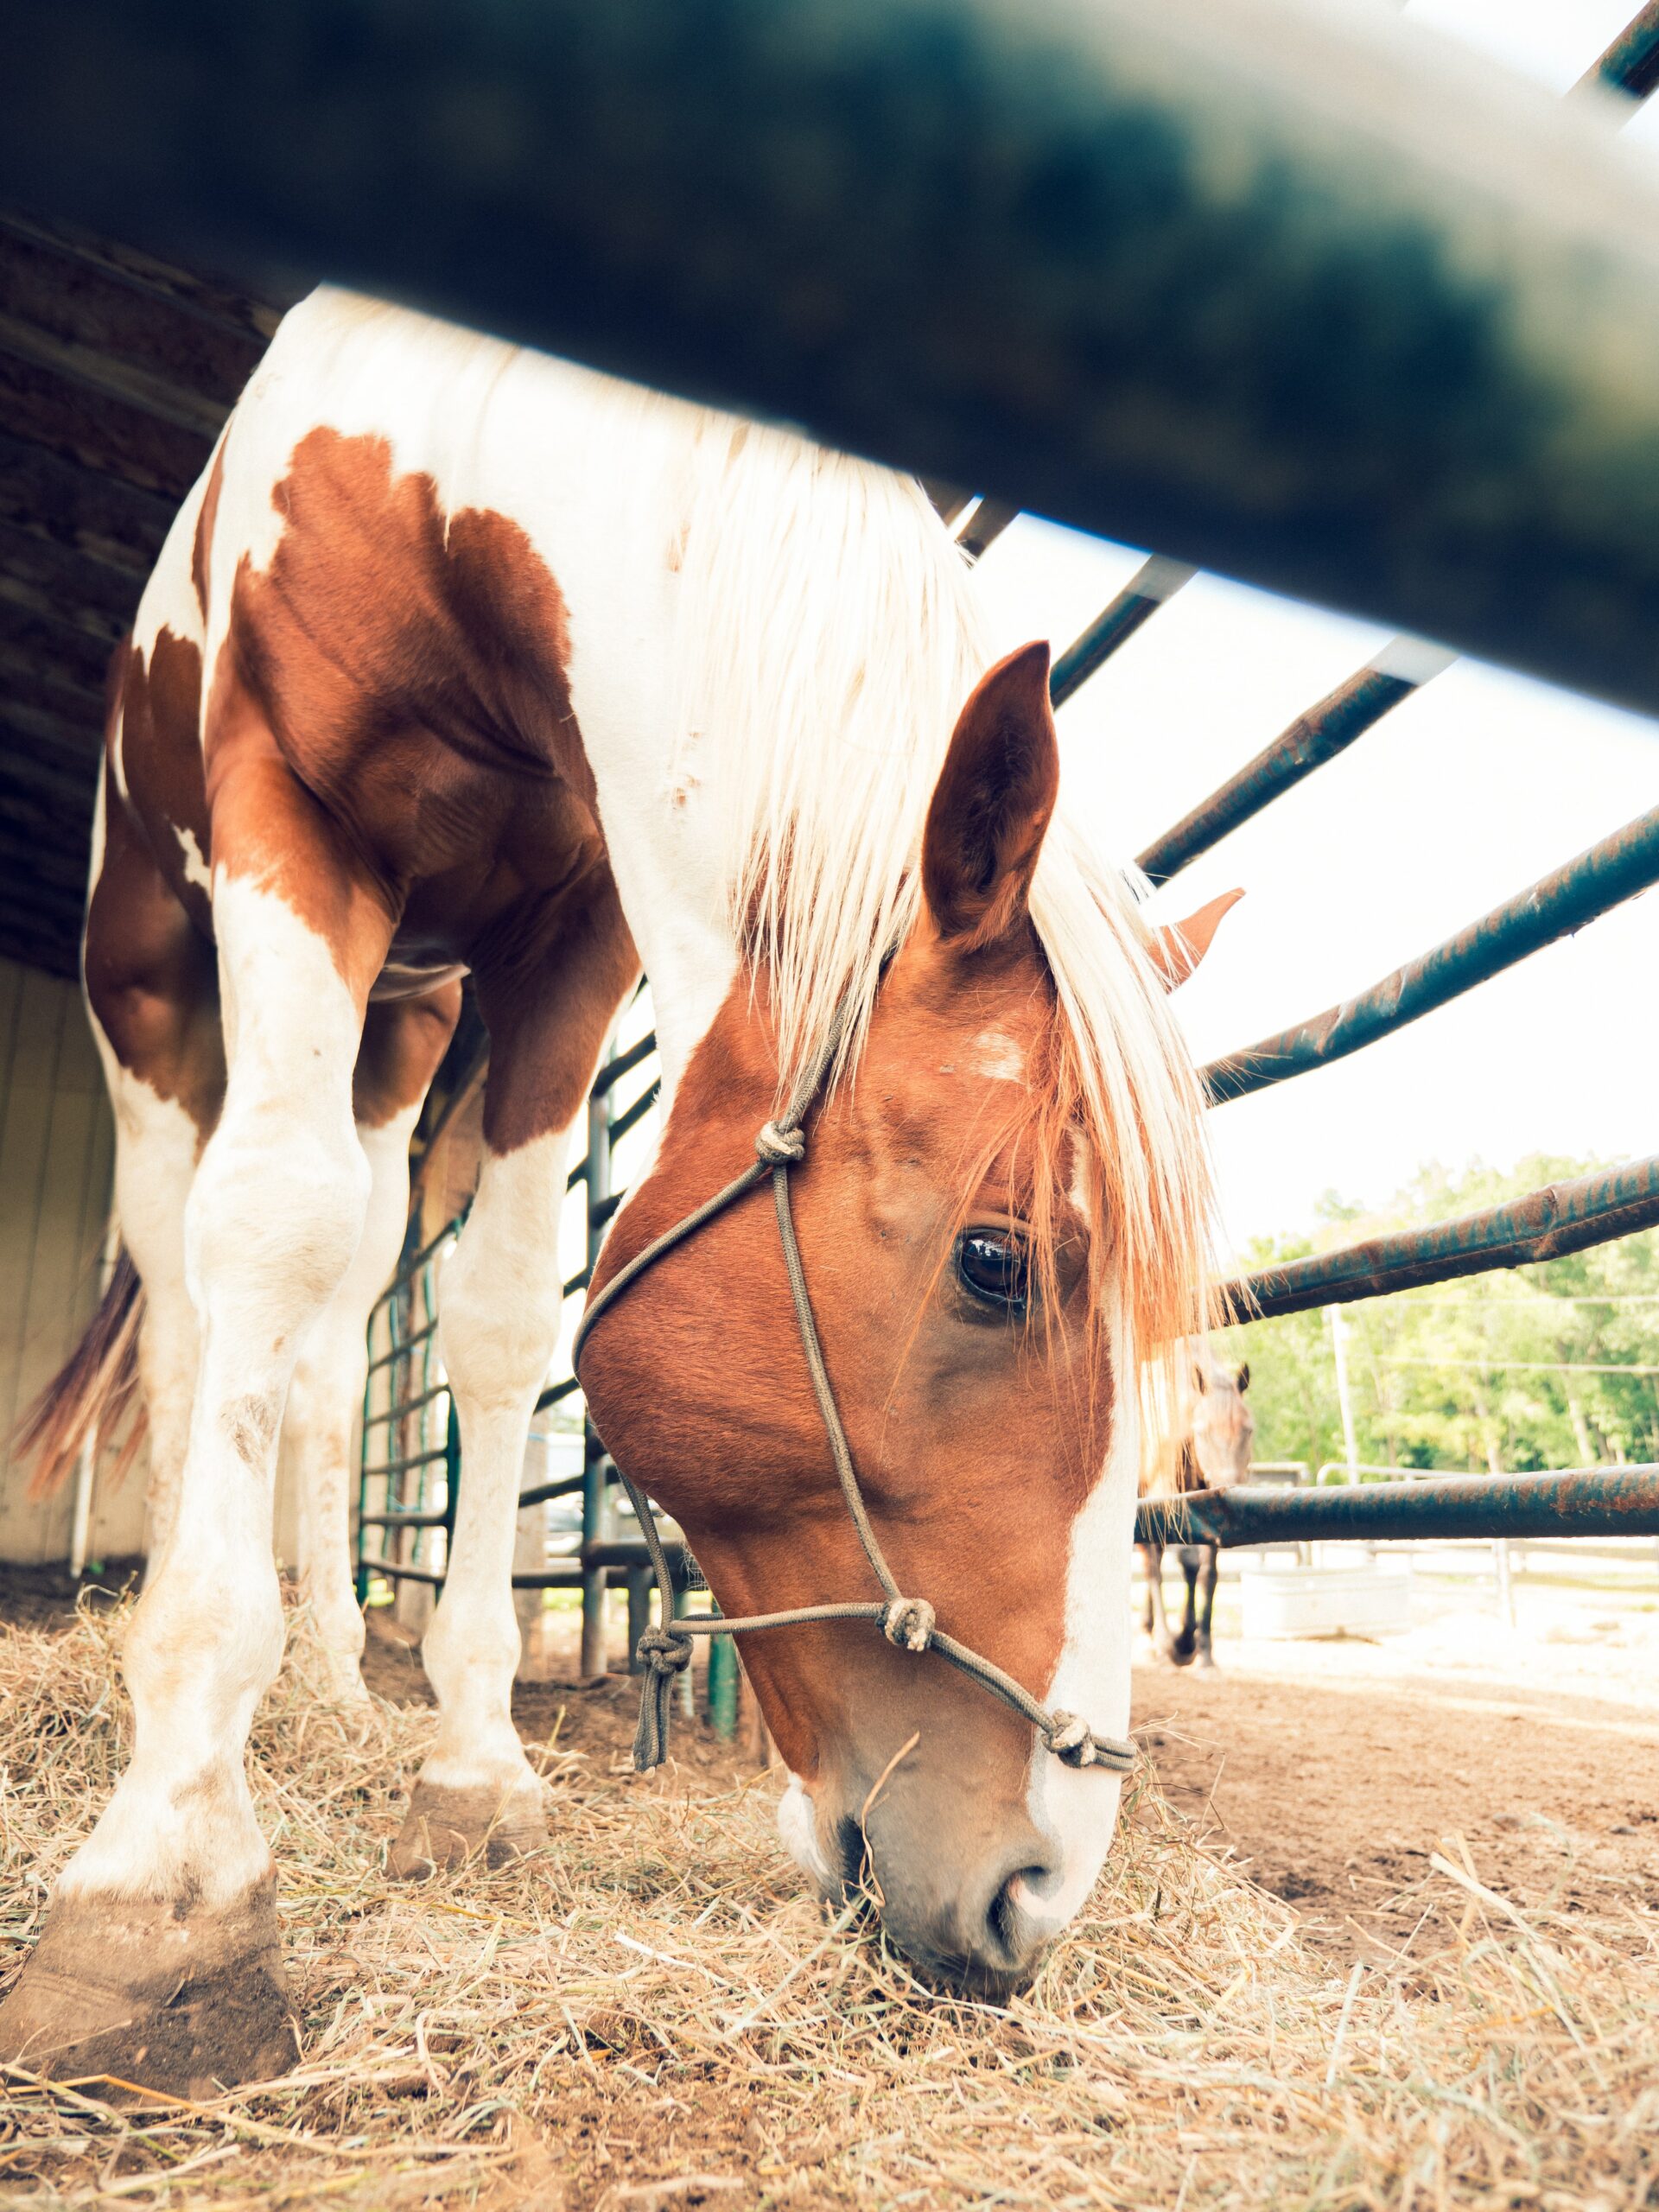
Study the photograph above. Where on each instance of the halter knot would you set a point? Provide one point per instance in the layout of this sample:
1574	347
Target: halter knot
1071	1739
908	1622
778	1146
663	1652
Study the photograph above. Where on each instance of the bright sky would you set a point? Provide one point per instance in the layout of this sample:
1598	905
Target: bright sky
1478	785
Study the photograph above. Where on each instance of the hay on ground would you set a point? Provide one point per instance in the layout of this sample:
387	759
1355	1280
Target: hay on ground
654	2014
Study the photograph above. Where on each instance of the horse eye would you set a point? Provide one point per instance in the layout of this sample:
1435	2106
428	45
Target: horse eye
994	1267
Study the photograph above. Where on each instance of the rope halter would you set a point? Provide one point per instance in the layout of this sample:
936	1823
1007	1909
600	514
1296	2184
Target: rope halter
779	1148
908	1624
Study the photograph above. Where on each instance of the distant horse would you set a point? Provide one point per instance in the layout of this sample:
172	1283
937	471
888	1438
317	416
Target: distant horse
459	657
1204	1444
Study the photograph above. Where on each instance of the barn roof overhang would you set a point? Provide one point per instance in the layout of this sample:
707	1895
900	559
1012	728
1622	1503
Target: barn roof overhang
117	370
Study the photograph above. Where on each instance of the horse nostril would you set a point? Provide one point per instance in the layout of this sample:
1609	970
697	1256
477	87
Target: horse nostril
1005	1922
849	1851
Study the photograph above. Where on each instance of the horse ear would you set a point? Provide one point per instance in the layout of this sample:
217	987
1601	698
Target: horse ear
1177	948
992	803
1244	1378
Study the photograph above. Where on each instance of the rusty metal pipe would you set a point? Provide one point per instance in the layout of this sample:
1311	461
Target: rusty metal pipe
1546	1224
1578	1501
1155	580
1632	63
1326	729
1601	877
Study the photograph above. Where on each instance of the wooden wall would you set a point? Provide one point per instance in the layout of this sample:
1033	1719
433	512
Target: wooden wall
56	1162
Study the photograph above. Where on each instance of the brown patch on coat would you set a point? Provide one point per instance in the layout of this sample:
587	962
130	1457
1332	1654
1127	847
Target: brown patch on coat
161	764
151	978
403	1041
391	749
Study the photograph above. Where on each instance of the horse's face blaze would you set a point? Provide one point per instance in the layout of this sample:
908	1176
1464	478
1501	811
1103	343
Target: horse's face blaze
979	1429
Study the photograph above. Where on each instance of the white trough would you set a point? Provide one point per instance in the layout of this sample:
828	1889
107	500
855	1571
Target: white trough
1365	1597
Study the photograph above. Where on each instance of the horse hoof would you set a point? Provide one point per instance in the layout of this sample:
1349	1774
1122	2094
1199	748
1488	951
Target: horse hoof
150	1995
447	1827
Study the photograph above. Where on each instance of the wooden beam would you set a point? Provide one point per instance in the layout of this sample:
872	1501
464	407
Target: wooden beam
108	521
205	296
58	808
53	909
39	931
101	432
112	379
111	332
87	593
58	791
54	612
47	746
34	671
58	868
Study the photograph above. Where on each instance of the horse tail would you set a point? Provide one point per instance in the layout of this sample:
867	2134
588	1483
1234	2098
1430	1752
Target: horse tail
92	1393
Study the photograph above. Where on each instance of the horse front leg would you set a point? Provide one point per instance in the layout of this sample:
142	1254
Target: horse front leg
1183	1647
500	1303
1157	1620
1205	1654
159	1960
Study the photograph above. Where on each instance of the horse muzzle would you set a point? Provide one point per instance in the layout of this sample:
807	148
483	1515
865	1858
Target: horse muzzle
959	1894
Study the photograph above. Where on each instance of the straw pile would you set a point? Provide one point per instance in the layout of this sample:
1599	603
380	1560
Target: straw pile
654	2015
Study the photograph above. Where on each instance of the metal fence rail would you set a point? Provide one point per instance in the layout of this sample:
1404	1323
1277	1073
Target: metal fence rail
1546	1224
1577	1502
1600	878
410	1453
1319	734
407	1492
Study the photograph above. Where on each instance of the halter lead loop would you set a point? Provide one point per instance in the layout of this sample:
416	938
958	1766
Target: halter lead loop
908	1624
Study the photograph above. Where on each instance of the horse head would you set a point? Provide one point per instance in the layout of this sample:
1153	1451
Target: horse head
1223	1428
998	1211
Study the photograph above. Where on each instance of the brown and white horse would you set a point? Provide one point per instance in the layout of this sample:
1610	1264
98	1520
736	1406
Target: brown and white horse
462	658
1202	1442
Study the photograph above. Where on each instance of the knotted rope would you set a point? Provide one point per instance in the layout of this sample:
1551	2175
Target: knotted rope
908	1624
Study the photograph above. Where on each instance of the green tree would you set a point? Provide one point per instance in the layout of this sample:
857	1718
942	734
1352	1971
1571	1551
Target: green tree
1529	1367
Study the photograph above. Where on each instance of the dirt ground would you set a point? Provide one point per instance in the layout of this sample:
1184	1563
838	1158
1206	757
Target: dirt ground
1331	1771
1333	1791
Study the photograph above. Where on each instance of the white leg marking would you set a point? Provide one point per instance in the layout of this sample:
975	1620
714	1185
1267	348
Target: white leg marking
273	1220
499	1308
324	1402
157	1144
1079	1807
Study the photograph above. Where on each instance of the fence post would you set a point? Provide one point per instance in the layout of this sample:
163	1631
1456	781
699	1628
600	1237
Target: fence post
595	1495
722	1686
641	1583
1501	1570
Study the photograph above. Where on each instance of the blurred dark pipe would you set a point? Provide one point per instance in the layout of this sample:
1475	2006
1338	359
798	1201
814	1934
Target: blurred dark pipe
1310	297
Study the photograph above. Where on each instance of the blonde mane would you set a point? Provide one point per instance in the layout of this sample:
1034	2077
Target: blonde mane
831	638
